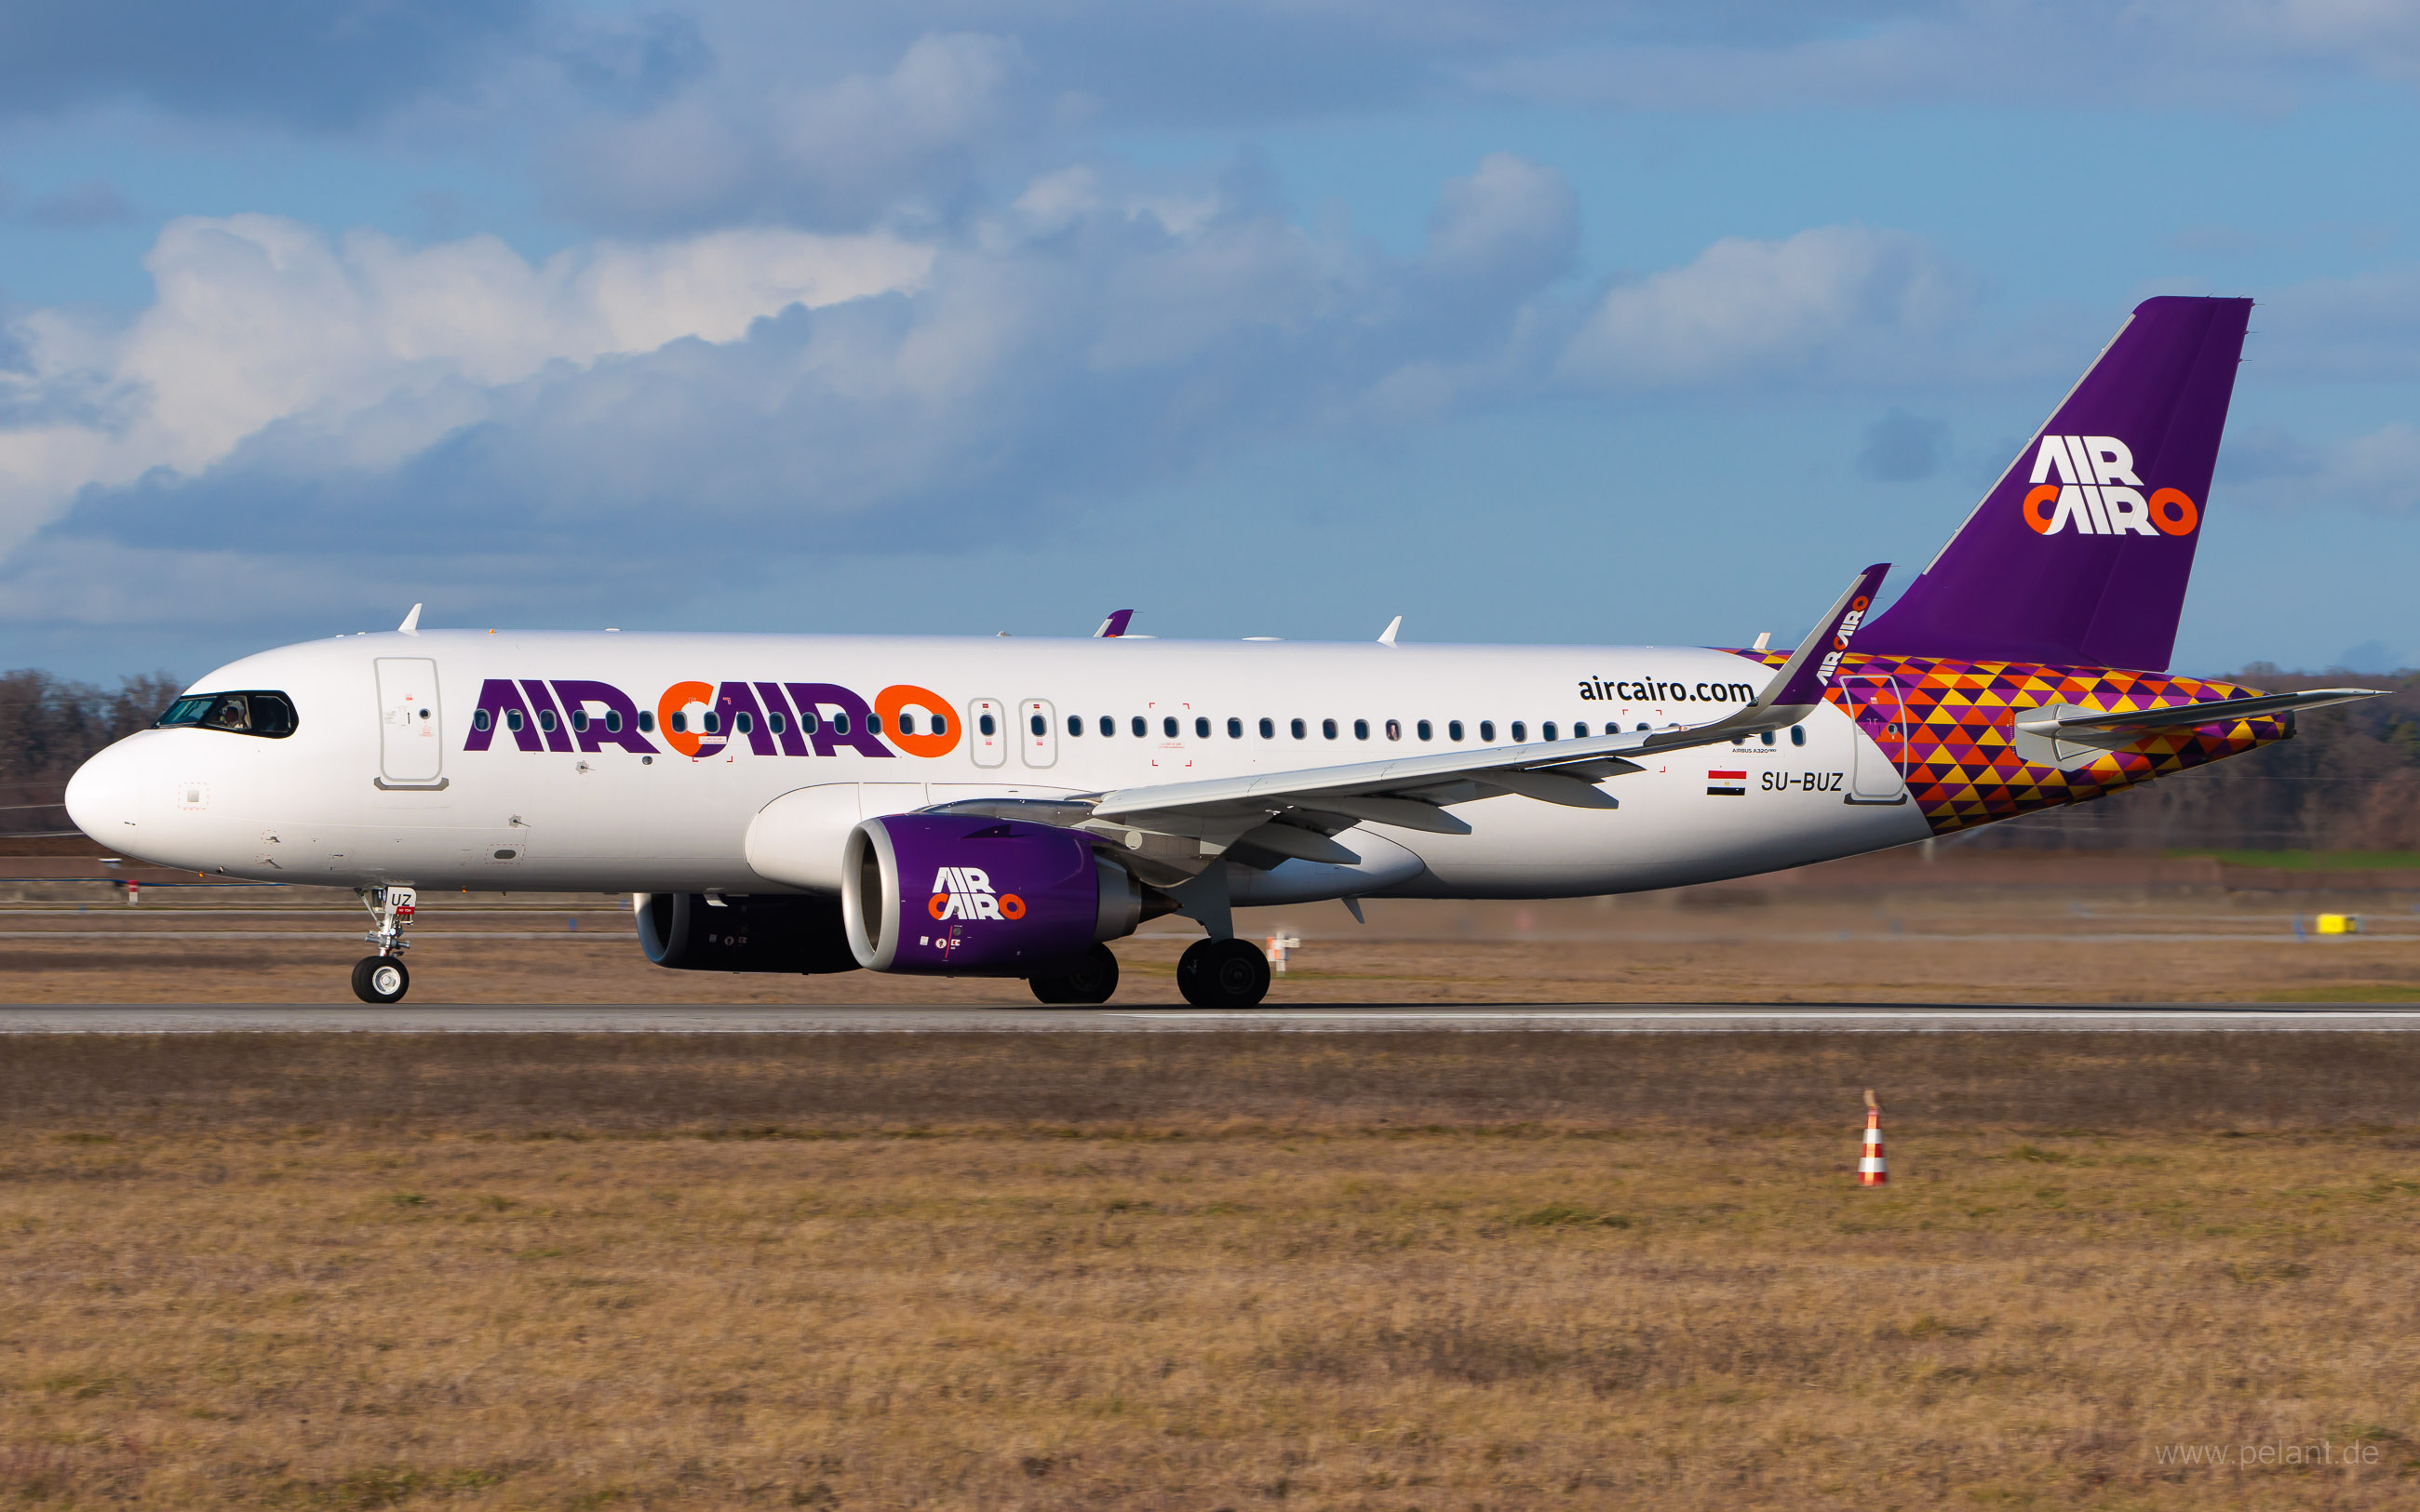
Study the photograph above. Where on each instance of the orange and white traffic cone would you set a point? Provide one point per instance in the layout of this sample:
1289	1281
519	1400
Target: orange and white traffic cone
1872	1171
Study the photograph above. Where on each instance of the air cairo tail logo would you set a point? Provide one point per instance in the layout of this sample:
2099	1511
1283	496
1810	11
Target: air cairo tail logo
1839	646
966	892
2096	491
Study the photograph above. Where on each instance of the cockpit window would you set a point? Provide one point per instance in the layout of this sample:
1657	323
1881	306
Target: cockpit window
246	714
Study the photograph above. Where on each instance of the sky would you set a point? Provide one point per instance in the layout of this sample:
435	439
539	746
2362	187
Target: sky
1529	320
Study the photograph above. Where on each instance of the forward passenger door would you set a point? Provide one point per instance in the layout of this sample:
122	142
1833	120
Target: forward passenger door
412	740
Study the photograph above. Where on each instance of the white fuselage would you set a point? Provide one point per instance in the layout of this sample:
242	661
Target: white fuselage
381	780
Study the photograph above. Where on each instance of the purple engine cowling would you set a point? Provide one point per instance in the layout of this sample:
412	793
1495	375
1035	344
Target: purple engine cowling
945	895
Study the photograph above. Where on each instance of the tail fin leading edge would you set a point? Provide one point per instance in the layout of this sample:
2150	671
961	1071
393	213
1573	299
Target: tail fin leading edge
2080	554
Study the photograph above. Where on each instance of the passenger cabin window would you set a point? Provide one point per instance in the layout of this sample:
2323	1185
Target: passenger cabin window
1075	724
1139	727
1487	731
1580	729
772	722
647	722
1520	731
1548	729
710	722
873	724
1798	734
1298	731
1200	728
513	721
1108	725
809	722
742	724
1452	730
580	720
1235	729
840	725
1394	730
1168	728
1428	731
614	721
907	723
940	724
1768	737
480	720
546	720
1360	729
1327	727
1268	730
991	727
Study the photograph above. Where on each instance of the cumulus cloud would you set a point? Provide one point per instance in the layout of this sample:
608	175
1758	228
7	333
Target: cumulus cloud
846	152
749	394
1846	296
368	344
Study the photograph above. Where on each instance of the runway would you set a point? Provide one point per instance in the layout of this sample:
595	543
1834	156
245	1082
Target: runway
1662	1018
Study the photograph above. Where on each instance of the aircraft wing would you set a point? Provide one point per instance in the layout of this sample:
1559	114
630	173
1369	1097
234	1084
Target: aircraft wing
1291	814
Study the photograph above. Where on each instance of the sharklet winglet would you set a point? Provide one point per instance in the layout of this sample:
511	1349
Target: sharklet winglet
1802	679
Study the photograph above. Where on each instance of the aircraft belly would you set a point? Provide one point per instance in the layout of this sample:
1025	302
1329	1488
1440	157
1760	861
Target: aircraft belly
1671	831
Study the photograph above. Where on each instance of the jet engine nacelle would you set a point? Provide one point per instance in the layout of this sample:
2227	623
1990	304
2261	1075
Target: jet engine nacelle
767	932
980	897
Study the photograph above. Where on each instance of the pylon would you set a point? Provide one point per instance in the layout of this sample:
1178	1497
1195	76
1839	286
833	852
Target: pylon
1872	1171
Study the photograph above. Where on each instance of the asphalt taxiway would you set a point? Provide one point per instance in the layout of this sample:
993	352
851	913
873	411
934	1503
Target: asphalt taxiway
1661	1018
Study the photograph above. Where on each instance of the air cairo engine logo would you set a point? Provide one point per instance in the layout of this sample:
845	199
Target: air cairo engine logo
2097	492
966	892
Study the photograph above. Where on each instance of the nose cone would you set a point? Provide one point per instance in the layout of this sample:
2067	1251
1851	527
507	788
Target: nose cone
101	796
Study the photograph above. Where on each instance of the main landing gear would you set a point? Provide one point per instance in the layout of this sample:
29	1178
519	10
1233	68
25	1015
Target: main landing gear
1227	972
382	978
1085	983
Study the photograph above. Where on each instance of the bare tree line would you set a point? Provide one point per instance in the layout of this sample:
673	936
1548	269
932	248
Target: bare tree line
49	725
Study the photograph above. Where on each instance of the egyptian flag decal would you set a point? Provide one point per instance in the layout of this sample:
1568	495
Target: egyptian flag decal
1727	784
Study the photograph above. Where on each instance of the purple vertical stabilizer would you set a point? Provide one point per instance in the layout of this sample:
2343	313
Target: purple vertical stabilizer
2080	554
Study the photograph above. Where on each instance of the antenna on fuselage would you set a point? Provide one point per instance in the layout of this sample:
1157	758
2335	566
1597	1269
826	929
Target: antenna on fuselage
411	625
1387	636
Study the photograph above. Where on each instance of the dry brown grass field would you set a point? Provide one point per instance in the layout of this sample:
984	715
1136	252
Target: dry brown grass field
1046	1271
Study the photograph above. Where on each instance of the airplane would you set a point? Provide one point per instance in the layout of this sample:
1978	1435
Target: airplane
1006	807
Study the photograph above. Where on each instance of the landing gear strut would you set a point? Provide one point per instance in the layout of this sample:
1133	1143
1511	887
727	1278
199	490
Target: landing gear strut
1090	978
1228	973
382	978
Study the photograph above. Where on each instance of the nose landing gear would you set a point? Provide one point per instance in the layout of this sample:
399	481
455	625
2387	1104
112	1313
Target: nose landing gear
382	978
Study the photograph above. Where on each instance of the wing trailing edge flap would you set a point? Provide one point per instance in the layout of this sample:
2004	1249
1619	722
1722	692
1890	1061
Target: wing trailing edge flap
1282	812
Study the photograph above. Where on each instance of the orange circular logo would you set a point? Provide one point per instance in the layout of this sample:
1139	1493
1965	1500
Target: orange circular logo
1011	905
893	701
2171	512
2038	501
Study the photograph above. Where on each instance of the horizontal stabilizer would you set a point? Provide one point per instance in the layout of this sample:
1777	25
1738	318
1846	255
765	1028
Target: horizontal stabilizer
2074	722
